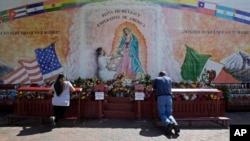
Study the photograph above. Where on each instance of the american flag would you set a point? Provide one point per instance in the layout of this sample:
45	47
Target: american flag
45	66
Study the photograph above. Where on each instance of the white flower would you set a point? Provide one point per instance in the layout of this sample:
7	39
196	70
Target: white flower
126	82
185	96
193	97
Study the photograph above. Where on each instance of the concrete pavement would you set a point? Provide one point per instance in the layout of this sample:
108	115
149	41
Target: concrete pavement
115	130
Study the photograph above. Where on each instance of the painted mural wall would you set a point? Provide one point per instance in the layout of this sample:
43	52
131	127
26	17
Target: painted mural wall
189	39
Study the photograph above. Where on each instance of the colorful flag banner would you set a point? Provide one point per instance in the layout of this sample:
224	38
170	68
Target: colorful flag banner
4	16
36	8
193	64
188	7
46	66
206	8
224	12
52	5
18	12
70	3
242	16
187	2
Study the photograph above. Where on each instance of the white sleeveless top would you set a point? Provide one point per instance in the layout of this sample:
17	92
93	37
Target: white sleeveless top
64	98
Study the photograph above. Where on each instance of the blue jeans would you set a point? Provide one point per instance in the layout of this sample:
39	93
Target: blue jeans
165	109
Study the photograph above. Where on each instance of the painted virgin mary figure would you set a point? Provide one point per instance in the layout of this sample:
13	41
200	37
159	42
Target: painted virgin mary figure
129	50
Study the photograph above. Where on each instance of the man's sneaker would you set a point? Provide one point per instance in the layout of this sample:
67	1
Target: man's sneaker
169	128
176	129
52	120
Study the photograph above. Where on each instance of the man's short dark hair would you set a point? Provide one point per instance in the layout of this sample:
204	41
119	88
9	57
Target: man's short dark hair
162	73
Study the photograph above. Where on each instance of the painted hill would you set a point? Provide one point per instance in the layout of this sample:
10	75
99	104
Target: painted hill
238	65
5	69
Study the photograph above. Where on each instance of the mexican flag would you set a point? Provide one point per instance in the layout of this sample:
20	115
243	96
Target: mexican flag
193	64
211	70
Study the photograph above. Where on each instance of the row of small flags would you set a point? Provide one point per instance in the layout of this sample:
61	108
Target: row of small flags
208	8
224	12
52	5
28	10
36	8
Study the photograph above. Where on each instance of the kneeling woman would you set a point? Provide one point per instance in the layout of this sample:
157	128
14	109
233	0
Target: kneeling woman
61	97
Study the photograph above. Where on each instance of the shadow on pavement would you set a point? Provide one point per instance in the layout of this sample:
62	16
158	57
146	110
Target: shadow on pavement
26	131
146	127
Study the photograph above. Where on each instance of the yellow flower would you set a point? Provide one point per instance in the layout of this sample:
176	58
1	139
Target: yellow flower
83	97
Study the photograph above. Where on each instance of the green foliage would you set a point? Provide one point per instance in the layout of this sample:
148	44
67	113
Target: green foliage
145	80
225	91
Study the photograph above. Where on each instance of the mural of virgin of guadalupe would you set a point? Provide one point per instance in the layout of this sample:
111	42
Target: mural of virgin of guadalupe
129	50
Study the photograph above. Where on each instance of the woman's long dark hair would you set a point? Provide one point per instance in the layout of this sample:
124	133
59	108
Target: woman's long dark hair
59	84
99	51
